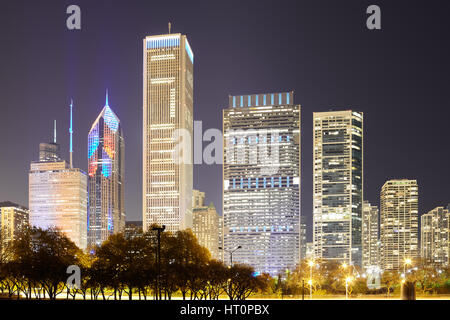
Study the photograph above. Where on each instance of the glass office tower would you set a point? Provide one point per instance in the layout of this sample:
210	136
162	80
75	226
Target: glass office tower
167	109
261	182
338	186
106	177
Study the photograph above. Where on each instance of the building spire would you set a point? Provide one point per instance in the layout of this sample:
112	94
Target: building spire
170	26
71	134
106	104
54	131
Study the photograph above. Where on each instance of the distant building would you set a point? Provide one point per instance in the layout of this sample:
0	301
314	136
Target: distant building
370	238
198	199
106	152
220	238
302	237
13	218
133	228
206	228
435	237
49	152
399	225
167	111
338	186
261	181
309	251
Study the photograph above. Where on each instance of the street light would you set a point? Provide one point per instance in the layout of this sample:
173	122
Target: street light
347	281
231	253
405	263
158	258
311	265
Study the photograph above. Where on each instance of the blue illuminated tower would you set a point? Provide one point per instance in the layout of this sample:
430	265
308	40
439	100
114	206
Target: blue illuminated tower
106	177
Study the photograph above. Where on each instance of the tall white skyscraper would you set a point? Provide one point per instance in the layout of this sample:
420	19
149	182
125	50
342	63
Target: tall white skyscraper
399	224
261	182
167	153
338	186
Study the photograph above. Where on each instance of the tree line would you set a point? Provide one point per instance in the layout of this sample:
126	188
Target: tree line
34	265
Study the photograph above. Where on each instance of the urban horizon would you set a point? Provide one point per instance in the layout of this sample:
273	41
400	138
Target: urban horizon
234	158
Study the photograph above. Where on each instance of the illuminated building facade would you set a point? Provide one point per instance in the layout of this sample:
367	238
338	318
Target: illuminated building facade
435	236
399	223
338	186
49	152
58	198
261	181
198	199
106	177
206	228
220	239
13	218
167	108
57	193
370	239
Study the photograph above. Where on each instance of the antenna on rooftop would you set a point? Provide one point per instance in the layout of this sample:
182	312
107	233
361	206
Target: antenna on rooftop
170	26
54	131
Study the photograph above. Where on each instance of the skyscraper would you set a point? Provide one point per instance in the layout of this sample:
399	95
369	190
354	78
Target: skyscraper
206	228
370	240
435	237
13	218
399	223
261	181
58	197
167	131
338	185
106	177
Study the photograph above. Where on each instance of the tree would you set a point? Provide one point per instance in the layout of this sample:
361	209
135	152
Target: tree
241	282
40	258
389	279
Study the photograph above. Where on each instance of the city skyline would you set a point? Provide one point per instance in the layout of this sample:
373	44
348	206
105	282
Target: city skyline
403	161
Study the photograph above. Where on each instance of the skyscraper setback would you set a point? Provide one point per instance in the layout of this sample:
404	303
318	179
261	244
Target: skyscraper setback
106	149
261	181
338	185
58	195
167	108
399	225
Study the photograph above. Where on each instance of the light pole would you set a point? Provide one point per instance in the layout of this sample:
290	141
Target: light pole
231	253
405	263
158	258
311	265
347	281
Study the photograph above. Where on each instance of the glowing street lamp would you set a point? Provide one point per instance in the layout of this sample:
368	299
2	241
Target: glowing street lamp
407	261
347	281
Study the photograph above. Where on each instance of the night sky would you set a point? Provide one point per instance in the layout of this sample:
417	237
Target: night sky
322	50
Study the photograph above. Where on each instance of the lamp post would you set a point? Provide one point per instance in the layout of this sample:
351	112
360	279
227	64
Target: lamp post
311	265
405	263
347	281
158	257
231	253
